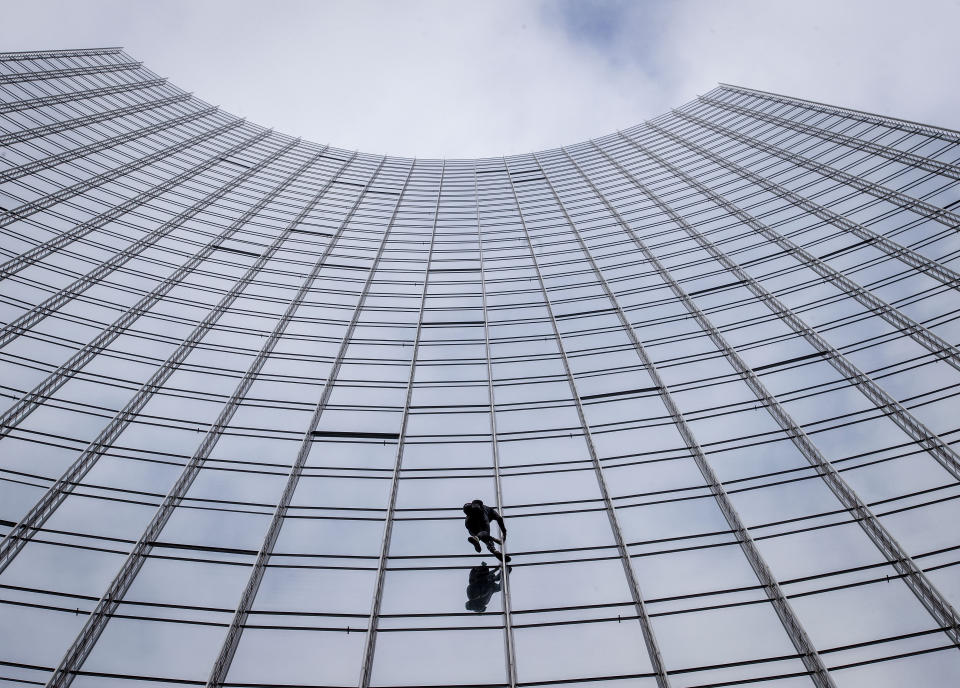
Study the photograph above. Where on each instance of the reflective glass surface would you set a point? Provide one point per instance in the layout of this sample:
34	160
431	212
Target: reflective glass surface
705	369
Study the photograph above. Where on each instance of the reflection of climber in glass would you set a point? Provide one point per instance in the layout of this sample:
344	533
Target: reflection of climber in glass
477	522
484	581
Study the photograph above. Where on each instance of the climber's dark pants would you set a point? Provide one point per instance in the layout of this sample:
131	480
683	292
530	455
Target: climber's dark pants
486	538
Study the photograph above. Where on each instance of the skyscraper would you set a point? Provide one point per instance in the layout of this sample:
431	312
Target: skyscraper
705	367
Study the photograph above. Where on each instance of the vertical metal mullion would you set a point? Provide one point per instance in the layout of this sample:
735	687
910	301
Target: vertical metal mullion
41	251
929	596
61	126
788	618
50	161
26	404
942	452
83	644
228	649
849	113
509	646
653	649
941	215
18	536
20	77
62	97
908	256
366	671
878	149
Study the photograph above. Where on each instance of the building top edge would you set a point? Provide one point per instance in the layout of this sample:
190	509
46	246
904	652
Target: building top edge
896	122
841	108
11	56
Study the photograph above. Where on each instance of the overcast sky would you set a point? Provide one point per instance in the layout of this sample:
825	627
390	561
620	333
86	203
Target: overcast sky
491	78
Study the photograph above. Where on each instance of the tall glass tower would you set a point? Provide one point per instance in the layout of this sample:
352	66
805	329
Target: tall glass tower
706	367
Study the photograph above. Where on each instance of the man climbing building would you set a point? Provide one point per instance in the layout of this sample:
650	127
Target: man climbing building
477	522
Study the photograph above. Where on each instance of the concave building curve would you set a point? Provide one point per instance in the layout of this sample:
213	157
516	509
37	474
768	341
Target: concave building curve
706	367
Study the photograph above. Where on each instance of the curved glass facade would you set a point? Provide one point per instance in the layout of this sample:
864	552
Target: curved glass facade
706	367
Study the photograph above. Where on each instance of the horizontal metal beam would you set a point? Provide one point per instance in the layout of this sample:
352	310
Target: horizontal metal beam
51	161
945	169
646	626
788	618
73	96
941	451
37	313
859	115
931	598
83	644
373	622
47	54
933	343
67	124
38	514
21	77
941	215
231	641
908	256
41	251
68	192
29	402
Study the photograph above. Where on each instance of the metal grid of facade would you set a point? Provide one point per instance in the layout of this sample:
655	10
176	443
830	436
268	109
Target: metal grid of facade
706	367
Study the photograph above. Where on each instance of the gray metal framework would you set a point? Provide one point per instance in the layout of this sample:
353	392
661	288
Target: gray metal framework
77	153
108	604
50	200
68	72
41	251
14	541
222	666
909	256
788	617
45	54
653	650
928	595
730	523
60	98
850	113
879	191
366	671
890	153
66	125
509	644
28	320
937	448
